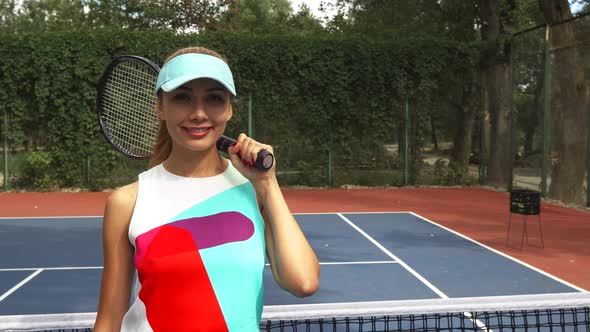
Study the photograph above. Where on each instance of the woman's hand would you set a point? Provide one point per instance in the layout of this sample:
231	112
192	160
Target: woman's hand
243	155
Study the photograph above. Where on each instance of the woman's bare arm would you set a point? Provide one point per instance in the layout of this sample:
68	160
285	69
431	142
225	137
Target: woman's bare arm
294	265
117	277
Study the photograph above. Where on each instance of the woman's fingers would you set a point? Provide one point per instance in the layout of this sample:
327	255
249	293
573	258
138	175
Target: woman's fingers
248	149
247	144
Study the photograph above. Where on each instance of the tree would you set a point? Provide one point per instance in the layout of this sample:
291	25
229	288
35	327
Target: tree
497	19
304	21
42	15
385	18
7	13
258	16
464	88
269	16
458	93
66	15
181	15
110	13
568	105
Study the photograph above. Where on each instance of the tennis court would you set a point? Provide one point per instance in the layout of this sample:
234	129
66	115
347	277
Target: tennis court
372	264
406	136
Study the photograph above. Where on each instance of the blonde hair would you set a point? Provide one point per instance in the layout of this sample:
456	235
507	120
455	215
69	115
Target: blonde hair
163	146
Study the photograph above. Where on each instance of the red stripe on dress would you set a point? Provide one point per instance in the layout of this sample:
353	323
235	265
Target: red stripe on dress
175	286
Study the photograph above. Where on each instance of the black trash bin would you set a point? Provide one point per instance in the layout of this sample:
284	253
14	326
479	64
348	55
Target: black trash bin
526	203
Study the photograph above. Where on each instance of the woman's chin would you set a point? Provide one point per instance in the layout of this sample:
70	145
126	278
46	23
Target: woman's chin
200	146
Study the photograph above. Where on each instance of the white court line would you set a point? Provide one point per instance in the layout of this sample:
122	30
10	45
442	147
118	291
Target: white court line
295	214
101	267
20	284
505	255
52	268
56	217
336	213
359	263
407	267
397	259
355	263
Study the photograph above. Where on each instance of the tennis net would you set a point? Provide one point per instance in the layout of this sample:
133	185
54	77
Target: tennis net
550	312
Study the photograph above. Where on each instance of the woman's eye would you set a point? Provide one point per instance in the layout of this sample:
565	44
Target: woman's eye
181	98
216	98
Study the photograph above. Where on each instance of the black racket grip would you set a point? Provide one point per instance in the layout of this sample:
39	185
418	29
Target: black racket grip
264	160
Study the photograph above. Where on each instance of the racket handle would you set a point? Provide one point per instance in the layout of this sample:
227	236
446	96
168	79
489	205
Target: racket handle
264	160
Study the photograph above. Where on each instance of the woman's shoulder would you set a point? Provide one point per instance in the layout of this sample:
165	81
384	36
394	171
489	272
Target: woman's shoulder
123	198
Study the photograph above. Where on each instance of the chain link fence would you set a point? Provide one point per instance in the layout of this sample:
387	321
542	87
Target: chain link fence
550	88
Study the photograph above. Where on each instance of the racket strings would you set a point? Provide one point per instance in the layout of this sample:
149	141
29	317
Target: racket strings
129	122
129	99
129	107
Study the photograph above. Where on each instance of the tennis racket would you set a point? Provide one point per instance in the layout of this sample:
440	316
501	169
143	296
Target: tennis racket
126	109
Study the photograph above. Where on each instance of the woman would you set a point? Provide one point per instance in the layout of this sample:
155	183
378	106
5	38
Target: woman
196	226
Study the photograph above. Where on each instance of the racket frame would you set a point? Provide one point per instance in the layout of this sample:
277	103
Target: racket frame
100	92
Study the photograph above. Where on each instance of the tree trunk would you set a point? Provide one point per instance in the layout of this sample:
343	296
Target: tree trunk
466	119
433	136
459	136
533	118
499	158
495	79
568	106
415	155
470	108
400	144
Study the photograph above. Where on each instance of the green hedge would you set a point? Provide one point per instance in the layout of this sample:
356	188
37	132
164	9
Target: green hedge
309	93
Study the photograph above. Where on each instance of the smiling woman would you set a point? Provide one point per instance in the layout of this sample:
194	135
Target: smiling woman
196	227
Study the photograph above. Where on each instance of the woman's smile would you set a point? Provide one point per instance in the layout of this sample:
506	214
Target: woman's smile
197	132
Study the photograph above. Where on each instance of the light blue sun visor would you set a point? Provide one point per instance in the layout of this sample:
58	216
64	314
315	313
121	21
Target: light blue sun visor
187	67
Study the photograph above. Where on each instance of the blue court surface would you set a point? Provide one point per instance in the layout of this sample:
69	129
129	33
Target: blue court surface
52	266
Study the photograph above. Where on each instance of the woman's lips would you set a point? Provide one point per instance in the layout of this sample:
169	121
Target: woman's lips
197	132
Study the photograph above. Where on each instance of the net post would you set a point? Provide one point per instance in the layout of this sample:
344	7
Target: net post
546	79
5	150
511	114
250	120
406	142
88	172
330	168
588	155
482	136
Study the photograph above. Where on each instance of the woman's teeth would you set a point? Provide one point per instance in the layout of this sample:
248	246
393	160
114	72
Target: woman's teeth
197	130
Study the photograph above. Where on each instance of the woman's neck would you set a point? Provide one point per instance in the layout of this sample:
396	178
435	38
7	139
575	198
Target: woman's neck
195	163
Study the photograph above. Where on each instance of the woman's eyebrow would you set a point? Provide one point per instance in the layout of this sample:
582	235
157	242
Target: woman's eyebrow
217	88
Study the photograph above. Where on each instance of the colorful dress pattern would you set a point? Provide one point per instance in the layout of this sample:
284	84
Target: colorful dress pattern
199	254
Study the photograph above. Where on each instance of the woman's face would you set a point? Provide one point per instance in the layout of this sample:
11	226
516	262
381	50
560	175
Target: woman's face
196	113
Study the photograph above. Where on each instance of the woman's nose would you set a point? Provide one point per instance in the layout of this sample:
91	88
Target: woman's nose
198	111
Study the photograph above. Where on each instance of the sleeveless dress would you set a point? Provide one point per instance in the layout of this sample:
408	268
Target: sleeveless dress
199	253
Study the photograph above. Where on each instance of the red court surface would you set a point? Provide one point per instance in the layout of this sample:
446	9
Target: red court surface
478	213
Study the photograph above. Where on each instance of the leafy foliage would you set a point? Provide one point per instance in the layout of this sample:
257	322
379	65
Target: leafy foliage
180	16
309	92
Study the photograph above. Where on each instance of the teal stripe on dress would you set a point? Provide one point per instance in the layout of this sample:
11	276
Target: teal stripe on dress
238	286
